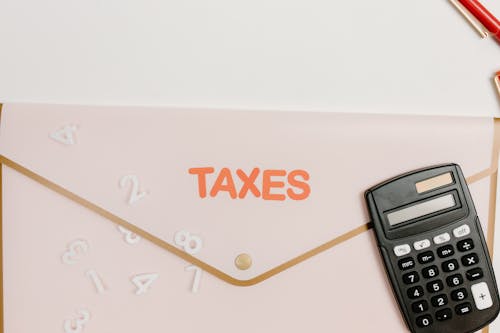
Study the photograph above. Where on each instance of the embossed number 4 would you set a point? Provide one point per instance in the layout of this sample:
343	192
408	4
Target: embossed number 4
143	282
65	135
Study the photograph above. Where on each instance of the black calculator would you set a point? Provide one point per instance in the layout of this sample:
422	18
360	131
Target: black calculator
434	251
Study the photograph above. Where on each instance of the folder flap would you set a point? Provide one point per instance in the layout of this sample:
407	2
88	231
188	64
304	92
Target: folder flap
219	184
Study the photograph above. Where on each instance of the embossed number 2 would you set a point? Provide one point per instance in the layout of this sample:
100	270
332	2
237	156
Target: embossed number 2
135	194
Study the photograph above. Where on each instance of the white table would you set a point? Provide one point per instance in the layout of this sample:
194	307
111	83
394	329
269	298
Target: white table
350	56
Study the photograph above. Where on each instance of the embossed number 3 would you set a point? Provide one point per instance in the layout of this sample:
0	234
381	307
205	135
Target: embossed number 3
135	194
76	325
74	249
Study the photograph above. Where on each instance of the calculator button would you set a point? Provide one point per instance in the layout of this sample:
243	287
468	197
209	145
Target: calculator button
410	278
443	315
462	309
465	245
415	292
481	295
443	238
406	263
402	250
424	321
426	257
421	244
439	300
420	306
450	265
430	272
474	274
454	280
461	231
459	294
445	251
435	286
470	259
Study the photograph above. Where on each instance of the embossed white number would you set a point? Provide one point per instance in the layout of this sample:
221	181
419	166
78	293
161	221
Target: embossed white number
99	286
65	135
143	282
190	243
135	194
197	277
130	237
76	248
76	325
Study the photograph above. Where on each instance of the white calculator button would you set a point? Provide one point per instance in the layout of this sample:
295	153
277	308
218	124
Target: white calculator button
461	231
422	244
402	250
482	296
443	238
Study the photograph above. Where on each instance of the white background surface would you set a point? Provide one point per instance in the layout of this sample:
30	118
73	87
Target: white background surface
354	56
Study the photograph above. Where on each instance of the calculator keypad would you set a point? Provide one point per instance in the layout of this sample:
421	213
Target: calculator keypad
442	238
420	306
438	287
406	263
474	274
402	250
461	231
454	280
435	286
411	278
463	309
430	272
465	245
445	251
424	321
444	314
459	294
439	300
422	244
450	265
415	292
470	260
426	257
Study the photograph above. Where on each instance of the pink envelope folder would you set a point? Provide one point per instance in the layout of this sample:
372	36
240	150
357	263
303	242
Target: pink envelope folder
130	219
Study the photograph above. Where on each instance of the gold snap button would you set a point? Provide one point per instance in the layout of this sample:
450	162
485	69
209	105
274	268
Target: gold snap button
243	261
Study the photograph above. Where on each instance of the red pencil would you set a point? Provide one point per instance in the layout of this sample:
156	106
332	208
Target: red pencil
490	22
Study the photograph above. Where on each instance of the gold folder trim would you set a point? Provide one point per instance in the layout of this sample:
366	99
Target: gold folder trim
1	242
161	243
490	236
1	248
214	271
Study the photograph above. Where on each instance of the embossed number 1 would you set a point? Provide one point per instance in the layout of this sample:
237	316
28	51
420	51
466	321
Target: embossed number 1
99	286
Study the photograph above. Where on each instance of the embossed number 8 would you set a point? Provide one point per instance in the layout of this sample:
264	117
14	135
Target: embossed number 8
192	244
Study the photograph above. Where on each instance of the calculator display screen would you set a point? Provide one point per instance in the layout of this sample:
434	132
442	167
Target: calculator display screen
421	209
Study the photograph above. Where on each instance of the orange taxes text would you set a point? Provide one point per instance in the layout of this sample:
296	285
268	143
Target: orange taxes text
269	184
